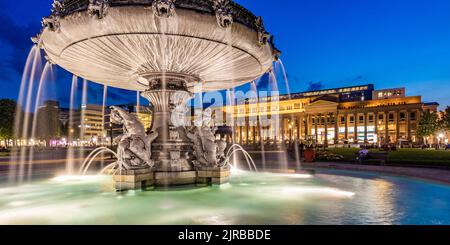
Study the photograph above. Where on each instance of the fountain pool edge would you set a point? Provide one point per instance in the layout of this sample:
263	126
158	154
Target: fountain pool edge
440	176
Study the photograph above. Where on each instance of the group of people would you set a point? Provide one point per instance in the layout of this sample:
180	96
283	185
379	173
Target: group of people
436	146
389	147
302	147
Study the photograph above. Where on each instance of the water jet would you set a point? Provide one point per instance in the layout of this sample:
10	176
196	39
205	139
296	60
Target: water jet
163	49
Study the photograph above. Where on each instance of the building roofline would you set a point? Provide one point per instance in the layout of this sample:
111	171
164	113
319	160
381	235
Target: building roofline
431	103
322	90
370	85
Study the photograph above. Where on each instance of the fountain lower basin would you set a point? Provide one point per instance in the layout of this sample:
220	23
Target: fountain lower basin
328	197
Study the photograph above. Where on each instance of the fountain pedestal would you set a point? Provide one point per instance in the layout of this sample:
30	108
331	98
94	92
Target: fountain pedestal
133	179
213	175
171	151
174	161
147	178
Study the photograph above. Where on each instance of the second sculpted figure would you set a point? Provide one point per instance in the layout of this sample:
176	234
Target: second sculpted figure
208	151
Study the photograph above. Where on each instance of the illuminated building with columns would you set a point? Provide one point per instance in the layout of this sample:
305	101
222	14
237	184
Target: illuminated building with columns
349	115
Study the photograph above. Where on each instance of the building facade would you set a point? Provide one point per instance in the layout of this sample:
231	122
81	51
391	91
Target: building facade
88	123
350	115
91	123
48	125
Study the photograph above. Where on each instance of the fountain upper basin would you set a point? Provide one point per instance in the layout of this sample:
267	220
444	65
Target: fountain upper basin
130	42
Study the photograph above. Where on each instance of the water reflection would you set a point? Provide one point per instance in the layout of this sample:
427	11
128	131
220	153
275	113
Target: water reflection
252	198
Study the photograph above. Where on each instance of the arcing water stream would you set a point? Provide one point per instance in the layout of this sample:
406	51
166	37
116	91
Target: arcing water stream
71	128
31	98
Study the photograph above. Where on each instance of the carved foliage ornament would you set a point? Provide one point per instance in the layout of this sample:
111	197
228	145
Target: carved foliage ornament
223	13
263	35
276	53
98	8
57	7
36	39
164	8
51	23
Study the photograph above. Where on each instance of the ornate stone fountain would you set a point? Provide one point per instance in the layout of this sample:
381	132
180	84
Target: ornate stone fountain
168	49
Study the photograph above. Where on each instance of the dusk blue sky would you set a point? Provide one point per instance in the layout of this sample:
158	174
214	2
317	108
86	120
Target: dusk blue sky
326	43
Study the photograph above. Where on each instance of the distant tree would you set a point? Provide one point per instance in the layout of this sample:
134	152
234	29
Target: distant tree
428	124
445	120
7	114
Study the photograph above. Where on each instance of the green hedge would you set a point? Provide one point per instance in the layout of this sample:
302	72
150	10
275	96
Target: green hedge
403	156
4	154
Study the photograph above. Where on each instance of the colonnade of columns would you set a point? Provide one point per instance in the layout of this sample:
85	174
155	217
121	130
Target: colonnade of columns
338	127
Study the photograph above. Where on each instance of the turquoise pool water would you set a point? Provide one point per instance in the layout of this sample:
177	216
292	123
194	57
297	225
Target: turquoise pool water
327	197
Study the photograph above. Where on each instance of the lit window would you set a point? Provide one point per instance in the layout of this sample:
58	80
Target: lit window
361	119
391	117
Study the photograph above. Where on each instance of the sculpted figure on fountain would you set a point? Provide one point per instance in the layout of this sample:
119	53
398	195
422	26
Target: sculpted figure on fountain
98	8
164	8
208	151
134	146
221	148
223	13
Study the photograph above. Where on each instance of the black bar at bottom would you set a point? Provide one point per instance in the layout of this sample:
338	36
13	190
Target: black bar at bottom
222	234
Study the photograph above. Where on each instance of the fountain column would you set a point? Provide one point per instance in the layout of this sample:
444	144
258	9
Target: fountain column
176	160
170	150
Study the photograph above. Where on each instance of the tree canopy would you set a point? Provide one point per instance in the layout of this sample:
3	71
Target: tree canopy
7	114
445	120
428	124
